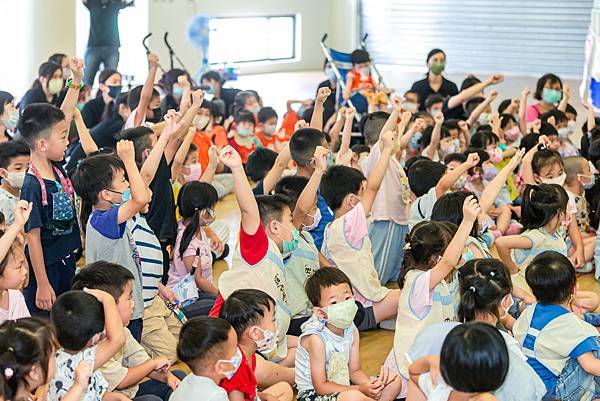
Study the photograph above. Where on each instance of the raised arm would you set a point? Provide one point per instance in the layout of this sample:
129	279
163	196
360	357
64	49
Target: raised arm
468	93
306	199
21	215
523	111
115	337
562	106
213	161
450	177
87	142
281	162
182	152
185	103
70	102
454	251
146	94
317	117
392	121
466	133
591	116
186	122
481	107
416	127
334	132
435	135
140	195
388	143
491	191
526	166
151	164
243	193
347	133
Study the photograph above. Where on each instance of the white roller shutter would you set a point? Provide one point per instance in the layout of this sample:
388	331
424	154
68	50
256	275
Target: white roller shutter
524	37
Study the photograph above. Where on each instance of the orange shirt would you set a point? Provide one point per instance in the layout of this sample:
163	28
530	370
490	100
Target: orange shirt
287	126
243	149
204	139
264	141
361	82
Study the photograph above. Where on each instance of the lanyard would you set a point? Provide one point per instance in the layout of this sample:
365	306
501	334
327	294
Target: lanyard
64	184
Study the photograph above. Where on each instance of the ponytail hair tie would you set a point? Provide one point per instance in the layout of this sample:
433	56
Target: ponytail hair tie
8	373
492	274
472	289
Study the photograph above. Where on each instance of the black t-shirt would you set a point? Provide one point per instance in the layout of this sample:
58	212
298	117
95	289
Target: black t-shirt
168	103
227	95
457	113
161	215
104	21
423	88
35	95
329	105
92	112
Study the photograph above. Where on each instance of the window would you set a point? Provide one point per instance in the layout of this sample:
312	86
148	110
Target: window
133	25
247	39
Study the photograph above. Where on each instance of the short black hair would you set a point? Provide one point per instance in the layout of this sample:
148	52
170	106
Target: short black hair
107	73
449	207
200	341
271	207
266	113
529	141
372	124
244	308
37	120
424	175
359	56
10	150
338	182
548	129
433	99
57	58
141	138
551	277
541	203
102	275
212	76
472	104
260	161
455	157
545	157
244	116
360	148
570	109
5	98
558	115
433	52
93	175
474	358
469	81
504	105
324	278
77	316
133	99
539	87
291	187
303	144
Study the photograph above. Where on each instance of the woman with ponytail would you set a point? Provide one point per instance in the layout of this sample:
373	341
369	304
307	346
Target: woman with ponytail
28	362
485	288
192	257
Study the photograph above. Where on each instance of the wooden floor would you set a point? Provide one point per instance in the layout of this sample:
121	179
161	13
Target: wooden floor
374	345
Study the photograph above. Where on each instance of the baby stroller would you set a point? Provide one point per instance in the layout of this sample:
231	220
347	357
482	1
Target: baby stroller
341	64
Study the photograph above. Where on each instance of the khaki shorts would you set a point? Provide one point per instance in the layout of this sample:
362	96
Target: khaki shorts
161	331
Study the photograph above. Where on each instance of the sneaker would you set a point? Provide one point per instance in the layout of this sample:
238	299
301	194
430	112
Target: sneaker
586	268
389	324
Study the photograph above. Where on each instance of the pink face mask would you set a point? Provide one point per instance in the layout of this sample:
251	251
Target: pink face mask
512	134
195	172
495	155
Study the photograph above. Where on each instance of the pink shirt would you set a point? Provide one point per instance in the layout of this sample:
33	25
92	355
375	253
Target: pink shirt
390	200
17	308
355	226
178	270
533	112
421	298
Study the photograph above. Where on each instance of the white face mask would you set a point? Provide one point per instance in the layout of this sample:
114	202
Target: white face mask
200	122
560	180
267	343
460	183
15	178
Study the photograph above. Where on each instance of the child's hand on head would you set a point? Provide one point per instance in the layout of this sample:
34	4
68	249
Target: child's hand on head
197	97
388	139
300	124
496	79
473	159
471	209
21	213
544	141
153	60
350	113
439	118
76	66
83	372
323	94
320	158
230	157
100	295
125	150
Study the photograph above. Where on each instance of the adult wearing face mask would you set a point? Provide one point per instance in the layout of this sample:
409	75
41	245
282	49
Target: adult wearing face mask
9	116
47	86
174	83
96	110
222	97
434	83
103	42
549	93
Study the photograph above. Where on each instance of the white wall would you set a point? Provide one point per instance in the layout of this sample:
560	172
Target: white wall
173	15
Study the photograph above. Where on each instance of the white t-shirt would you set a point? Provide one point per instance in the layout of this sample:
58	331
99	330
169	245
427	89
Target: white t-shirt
194	387
421	208
65	376
441	391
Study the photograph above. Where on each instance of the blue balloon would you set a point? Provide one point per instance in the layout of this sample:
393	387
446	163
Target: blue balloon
197	30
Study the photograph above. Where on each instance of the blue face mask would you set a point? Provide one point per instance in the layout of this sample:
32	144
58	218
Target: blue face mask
126	195
414	141
212	89
244	132
290	246
177	91
114	91
329	159
551	96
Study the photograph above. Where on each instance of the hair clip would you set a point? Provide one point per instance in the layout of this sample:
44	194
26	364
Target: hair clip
492	274
8	373
472	289
407	246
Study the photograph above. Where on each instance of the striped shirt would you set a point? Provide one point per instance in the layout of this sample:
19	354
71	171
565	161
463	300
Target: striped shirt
151	257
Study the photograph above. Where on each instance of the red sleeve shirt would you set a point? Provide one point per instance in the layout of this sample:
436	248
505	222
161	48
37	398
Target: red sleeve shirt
216	309
253	247
244	380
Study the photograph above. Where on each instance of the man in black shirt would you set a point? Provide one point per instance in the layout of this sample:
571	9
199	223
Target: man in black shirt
103	42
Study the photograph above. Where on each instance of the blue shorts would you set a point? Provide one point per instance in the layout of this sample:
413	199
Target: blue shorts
575	384
387	245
